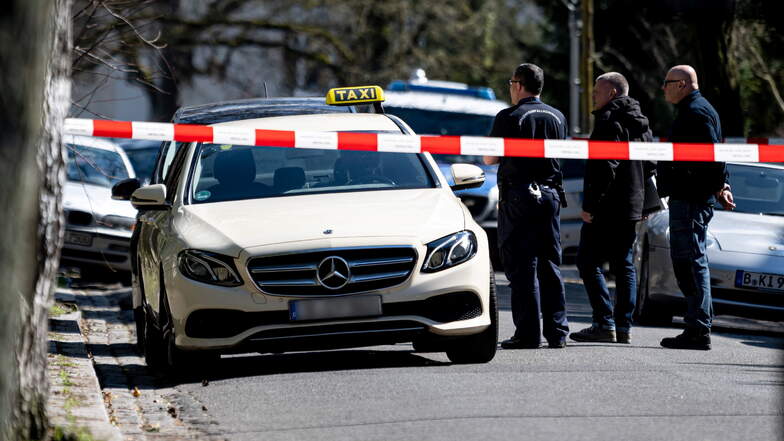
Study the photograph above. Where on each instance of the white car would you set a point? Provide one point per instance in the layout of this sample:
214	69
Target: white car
267	249
98	228
745	250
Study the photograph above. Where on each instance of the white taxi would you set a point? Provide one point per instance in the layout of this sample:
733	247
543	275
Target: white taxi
269	249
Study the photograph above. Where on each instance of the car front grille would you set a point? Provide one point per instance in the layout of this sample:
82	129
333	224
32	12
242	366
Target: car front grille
305	274
475	204
77	217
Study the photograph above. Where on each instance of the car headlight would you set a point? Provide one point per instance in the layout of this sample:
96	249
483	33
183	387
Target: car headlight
449	251
119	222
207	267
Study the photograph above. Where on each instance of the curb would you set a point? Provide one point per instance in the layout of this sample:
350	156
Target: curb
75	401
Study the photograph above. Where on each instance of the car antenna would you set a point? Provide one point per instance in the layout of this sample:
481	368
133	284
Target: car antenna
266	95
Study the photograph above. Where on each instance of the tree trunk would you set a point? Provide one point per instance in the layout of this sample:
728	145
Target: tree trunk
34	77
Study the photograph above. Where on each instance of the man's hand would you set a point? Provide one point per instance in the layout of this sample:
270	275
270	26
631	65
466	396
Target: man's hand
490	160
725	199
587	217
724	196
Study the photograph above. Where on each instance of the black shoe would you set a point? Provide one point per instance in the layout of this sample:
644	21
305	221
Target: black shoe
623	337
557	344
689	339
594	334
516	343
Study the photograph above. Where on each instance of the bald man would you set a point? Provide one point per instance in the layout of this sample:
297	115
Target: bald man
693	188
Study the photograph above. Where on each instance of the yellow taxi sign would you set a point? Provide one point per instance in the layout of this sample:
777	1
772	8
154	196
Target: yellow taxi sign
346	96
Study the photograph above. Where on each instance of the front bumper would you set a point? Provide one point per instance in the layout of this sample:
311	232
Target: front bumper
105	249
240	318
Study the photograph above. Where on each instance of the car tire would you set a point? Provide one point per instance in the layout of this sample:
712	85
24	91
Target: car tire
478	348
154	349
138	320
646	311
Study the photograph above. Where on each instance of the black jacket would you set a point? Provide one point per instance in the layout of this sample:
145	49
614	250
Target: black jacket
614	189
697	121
529	119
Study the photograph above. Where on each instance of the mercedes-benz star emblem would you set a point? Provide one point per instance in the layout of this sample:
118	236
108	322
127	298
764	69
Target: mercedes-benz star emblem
333	272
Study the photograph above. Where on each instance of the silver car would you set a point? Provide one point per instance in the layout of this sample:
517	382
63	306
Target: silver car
745	252
98	228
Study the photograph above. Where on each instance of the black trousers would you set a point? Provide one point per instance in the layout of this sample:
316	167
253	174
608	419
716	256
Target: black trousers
529	240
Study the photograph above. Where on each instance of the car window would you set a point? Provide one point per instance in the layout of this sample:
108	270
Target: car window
94	166
166	156
143	161
226	172
757	189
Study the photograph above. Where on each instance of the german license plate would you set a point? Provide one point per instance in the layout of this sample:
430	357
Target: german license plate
338	307
772	282
82	239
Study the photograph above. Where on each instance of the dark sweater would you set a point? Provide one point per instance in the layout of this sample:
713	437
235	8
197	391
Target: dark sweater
696	121
614	189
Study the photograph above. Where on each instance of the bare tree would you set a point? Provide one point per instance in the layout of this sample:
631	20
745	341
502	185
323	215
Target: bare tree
34	54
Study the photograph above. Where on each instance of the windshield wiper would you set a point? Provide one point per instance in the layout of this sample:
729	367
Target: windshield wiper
772	214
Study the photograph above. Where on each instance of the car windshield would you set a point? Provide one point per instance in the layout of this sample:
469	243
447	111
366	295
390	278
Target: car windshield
757	189
94	166
228	173
143	161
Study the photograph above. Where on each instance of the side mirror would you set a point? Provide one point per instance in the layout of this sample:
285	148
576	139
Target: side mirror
123	190
467	176
151	197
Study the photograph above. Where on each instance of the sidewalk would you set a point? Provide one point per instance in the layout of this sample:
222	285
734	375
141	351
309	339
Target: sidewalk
101	388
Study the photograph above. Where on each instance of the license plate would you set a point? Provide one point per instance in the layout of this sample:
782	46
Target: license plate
772	282
339	307
82	239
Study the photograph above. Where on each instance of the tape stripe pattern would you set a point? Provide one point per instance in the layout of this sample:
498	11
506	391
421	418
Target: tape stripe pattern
734	149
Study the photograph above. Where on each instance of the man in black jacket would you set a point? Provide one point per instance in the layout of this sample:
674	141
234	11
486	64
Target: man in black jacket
529	238
693	187
613	197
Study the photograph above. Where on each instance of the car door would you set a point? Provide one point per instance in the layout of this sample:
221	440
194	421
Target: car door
150	221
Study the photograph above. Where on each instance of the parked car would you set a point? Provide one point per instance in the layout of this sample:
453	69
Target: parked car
745	251
98	228
273	249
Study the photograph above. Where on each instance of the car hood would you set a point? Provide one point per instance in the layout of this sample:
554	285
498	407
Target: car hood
748	233
94	199
229	227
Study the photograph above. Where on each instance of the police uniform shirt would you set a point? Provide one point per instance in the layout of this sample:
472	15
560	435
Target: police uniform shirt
530	119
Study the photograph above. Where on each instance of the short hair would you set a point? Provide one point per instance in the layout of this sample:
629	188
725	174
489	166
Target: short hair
531	77
617	81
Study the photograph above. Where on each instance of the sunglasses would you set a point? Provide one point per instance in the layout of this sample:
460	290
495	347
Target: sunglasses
666	82
514	81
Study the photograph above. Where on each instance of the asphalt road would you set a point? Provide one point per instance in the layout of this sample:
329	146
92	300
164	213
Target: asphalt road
583	392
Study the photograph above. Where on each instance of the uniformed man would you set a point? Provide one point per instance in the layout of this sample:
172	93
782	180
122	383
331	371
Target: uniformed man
529	216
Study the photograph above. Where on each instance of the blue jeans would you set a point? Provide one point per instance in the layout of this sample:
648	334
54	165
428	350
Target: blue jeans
609	241
529	241
688	227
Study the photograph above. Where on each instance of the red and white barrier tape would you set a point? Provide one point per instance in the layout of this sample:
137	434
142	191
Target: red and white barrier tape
763	150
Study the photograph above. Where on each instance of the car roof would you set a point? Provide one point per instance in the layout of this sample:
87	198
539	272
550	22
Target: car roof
88	141
443	102
336	122
255	108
